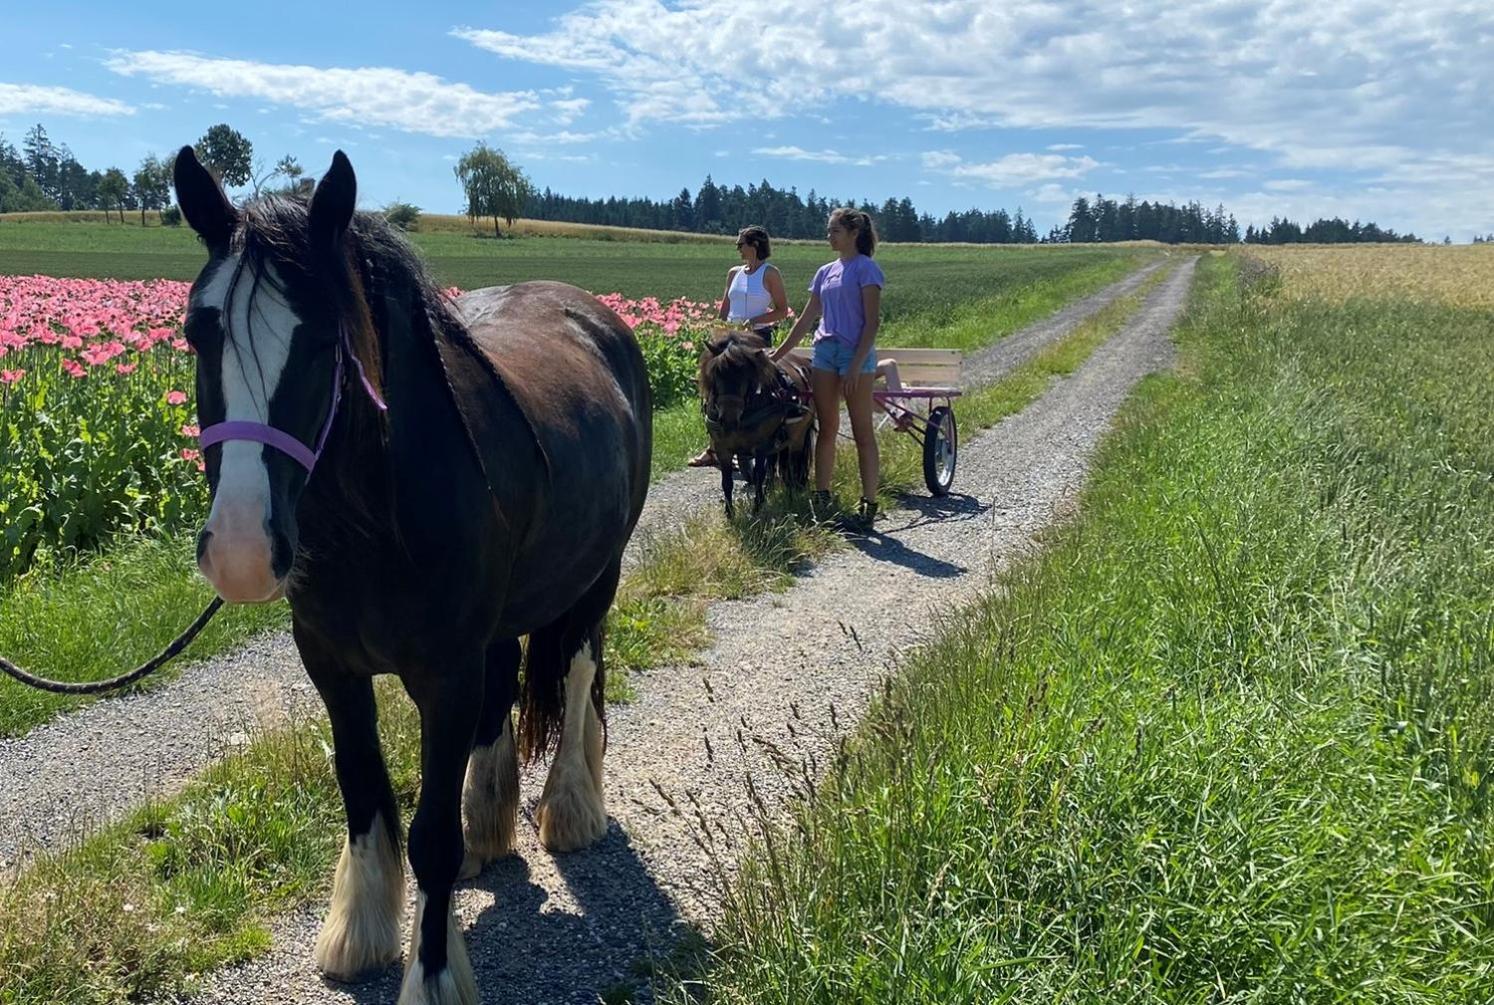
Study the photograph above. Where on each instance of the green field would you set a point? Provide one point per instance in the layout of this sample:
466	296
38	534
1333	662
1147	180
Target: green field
921	279
1228	739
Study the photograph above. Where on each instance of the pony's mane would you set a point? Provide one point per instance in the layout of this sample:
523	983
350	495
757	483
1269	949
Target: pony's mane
732	350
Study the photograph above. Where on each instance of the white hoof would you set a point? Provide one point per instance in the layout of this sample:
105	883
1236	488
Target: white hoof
454	985
490	803
361	933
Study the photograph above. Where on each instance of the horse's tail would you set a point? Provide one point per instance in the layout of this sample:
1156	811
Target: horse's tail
548	660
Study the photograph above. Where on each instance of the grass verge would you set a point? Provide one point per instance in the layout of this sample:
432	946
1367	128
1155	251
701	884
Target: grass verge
1228	739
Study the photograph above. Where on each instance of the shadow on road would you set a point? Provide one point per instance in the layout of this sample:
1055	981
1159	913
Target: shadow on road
620	930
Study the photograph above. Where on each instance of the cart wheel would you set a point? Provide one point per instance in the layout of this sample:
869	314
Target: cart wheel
941	447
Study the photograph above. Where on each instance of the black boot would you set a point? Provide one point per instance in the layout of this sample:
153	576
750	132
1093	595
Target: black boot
866	515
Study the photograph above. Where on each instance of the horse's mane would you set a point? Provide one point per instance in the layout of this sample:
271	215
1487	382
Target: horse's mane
731	350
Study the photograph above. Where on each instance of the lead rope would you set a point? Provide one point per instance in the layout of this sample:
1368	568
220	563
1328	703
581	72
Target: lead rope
125	679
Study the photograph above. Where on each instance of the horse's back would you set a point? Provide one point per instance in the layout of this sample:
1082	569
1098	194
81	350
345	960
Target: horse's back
574	369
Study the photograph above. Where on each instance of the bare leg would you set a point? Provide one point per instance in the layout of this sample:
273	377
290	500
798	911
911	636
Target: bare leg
826	387
859	406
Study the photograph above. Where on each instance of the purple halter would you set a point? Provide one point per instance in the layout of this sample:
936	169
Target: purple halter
260	432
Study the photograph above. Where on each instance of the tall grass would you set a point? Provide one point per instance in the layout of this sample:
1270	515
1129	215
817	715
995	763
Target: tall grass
1229	739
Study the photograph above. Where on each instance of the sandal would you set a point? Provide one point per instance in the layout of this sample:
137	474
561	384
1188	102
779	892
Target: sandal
705	459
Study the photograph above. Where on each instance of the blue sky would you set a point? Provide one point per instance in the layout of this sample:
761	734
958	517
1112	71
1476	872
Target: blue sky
1375	109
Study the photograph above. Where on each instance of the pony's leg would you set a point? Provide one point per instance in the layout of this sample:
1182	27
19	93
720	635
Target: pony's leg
361	932
490	796
571	812
726	479
759	479
438	971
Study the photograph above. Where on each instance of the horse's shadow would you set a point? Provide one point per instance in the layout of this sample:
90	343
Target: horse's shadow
620	931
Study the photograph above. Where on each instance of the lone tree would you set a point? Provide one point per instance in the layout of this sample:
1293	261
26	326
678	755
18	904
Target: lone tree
493	185
113	188
227	153
152	185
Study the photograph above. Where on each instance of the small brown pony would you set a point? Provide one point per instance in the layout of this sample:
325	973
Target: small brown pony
756	413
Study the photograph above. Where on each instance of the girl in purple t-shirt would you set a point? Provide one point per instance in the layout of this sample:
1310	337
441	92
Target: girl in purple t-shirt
846	298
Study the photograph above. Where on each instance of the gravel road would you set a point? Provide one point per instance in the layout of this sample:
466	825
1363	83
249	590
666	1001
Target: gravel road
546	928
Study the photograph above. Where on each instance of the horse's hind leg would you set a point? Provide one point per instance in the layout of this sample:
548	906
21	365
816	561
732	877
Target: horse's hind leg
449	696
490	796
361	932
565	681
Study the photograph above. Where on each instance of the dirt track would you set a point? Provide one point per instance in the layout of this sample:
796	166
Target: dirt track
545	928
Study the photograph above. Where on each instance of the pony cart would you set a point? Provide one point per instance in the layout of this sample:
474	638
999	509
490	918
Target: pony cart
921	406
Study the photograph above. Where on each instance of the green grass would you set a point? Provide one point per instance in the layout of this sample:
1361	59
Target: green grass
92	620
1227	739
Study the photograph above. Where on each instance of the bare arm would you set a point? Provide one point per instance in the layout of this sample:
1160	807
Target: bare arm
723	310
773	282
807	319
871	304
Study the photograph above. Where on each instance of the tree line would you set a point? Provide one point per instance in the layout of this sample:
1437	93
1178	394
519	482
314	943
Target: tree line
43	175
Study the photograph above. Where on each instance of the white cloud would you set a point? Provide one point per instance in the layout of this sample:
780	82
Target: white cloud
366	96
1287	185
30	99
1012	170
569	109
1053	194
821	156
1395	89
1059	148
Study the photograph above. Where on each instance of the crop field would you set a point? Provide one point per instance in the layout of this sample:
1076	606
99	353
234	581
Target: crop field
927	277
1230	737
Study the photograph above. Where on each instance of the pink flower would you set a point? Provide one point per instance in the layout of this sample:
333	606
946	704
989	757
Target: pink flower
176	398
125	368
188	454
74	369
191	431
11	376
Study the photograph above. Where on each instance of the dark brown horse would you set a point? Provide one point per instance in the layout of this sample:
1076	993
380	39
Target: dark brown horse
755	413
425	482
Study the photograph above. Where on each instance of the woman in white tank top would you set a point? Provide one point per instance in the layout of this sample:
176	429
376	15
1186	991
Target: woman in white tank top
754	298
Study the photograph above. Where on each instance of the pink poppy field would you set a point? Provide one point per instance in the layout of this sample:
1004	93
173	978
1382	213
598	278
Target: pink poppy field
97	422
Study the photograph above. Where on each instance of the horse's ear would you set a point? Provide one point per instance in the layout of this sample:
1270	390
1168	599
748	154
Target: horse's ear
332	204
201	198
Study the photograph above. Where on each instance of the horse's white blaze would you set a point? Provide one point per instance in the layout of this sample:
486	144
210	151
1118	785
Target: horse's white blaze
237	557
361	932
454	985
571	812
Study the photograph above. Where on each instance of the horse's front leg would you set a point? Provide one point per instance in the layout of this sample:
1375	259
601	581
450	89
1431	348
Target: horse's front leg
361	931
437	971
726	466
759	479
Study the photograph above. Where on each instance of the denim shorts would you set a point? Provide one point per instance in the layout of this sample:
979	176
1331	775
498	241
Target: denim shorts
834	355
